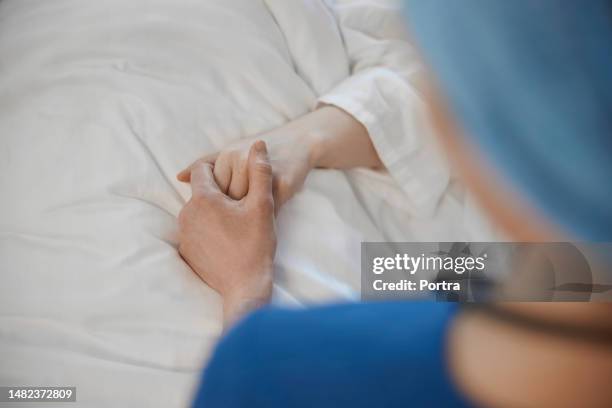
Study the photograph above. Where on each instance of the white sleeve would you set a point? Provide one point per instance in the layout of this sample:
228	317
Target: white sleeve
380	93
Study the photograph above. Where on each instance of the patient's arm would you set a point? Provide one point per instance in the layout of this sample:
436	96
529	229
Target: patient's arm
374	115
341	142
384	93
230	244
327	137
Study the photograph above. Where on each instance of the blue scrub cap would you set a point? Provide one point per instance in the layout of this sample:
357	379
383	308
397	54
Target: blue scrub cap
530	81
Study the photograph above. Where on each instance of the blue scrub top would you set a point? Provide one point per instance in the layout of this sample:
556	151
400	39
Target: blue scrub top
351	355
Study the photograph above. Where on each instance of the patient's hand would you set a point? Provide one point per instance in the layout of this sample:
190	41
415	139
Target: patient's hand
230	243
327	137
290	157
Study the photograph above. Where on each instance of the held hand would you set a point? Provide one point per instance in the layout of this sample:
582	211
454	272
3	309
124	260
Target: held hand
289	156
327	137
230	243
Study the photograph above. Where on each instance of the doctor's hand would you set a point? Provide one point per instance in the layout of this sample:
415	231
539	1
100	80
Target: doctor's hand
231	243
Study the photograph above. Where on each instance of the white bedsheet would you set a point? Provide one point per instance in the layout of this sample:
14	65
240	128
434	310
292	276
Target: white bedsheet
101	103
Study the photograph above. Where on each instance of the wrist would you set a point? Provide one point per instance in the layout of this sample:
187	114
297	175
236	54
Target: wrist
315	148
235	309
240	300
320	136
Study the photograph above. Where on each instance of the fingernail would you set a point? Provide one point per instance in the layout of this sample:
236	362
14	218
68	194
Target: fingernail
260	146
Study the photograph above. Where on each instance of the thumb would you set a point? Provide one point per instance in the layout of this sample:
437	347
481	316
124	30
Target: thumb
203	182
260	172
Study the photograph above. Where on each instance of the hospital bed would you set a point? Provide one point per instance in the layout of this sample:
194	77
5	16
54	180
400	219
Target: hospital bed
101	104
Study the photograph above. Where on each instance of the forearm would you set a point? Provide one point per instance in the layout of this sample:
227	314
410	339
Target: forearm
342	142
335	139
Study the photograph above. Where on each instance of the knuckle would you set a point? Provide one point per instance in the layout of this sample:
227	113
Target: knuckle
223	161
231	157
237	191
263	167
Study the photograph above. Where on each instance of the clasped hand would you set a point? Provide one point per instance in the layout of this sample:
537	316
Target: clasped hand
226	230
230	243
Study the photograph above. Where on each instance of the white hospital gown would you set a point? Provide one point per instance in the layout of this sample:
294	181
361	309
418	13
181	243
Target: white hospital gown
378	88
